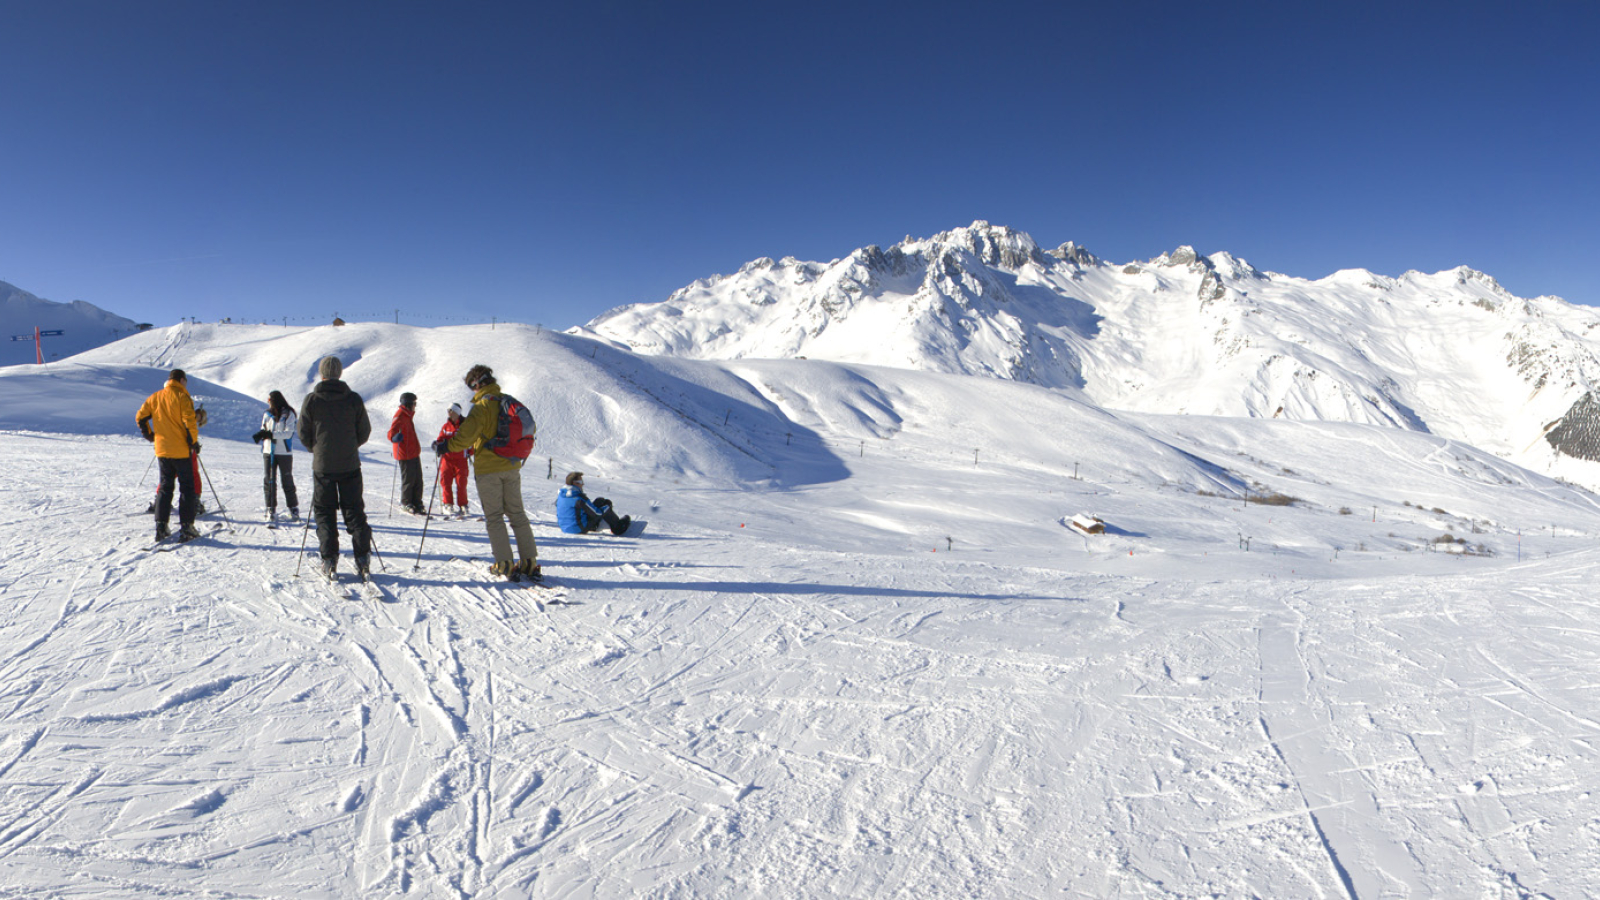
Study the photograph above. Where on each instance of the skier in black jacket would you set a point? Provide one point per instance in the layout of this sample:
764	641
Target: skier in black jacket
333	426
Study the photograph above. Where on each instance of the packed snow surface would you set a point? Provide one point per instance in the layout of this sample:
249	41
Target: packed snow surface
857	651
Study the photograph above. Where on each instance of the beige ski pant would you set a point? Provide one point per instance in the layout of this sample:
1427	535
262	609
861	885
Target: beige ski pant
500	494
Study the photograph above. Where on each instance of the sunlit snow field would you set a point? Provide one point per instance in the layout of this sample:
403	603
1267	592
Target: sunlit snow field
855	652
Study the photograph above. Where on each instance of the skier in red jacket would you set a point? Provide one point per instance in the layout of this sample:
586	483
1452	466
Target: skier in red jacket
403	438
453	466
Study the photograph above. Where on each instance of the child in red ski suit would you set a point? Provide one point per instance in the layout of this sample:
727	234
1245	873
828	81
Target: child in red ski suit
453	466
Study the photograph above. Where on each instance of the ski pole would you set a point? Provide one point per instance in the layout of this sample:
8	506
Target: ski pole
304	533
392	479
146	474
429	517
372	543
272	474
220	508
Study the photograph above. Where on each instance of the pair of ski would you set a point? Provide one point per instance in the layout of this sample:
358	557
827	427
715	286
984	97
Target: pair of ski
441	515
356	587
175	540
545	592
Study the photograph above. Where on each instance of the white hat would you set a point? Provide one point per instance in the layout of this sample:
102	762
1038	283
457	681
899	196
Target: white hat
456	408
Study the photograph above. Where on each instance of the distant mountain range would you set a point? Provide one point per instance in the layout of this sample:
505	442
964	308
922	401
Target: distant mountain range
85	326
1452	353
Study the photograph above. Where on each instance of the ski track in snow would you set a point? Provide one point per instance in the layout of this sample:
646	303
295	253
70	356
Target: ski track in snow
731	715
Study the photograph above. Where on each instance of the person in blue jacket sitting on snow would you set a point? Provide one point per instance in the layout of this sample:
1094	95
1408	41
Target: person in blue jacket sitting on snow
577	514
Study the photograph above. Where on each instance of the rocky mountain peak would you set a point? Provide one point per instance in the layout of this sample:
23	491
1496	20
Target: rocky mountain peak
1231	266
993	245
1185	256
1072	253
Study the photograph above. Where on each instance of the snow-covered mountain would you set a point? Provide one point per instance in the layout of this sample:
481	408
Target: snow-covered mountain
1452	353
85	325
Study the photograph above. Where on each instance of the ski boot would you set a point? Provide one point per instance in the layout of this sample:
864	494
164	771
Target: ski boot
364	568
187	532
330	569
621	528
505	569
162	532
530	571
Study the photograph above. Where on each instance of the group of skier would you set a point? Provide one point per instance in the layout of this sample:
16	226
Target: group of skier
408	454
496	434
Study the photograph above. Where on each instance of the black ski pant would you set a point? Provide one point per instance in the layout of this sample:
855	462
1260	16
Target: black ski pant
341	492
411	482
181	471
280	468
591	522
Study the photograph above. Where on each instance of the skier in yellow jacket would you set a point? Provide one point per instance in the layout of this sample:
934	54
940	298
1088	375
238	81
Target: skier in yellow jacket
499	479
167	419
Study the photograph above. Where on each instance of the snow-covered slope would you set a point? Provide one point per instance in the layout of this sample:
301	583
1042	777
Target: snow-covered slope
84	325
767	423
748	423
857	651
1451	353
80	398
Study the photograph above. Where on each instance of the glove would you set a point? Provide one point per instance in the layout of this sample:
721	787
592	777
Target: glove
261	435
144	429
200	416
194	448
441	446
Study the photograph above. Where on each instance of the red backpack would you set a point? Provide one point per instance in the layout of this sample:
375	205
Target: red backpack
514	430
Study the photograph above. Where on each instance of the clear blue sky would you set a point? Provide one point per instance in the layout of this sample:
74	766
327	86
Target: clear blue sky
546	162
